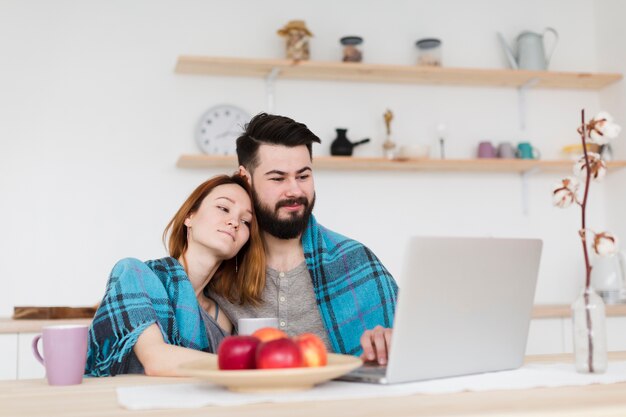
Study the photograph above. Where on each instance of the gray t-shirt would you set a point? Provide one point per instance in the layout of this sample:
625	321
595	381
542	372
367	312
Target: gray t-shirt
290	297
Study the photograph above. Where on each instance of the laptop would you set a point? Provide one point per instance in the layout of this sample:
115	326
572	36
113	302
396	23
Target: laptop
464	307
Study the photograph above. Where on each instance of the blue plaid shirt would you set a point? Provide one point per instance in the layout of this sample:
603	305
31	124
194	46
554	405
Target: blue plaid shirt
139	294
354	291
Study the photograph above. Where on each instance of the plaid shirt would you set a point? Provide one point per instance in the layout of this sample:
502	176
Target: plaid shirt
354	291
139	294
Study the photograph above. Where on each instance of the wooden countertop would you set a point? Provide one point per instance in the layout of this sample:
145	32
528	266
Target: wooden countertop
547	311
97	397
8	325
544	311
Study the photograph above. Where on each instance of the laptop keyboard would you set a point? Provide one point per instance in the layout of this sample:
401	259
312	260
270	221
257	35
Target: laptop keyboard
371	368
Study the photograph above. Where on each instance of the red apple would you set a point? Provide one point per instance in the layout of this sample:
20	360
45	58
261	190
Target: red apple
279	353
266	334
313	349
237	352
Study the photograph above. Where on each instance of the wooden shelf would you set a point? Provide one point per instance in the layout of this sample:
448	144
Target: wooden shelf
359	72
381	164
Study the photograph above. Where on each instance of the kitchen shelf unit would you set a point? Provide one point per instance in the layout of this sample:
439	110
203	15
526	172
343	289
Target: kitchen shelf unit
522	80
344	163
350	71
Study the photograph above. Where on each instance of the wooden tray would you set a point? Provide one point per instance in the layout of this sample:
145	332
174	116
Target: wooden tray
54	312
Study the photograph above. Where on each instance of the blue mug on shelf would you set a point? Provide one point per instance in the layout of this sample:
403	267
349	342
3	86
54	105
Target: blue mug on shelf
527	151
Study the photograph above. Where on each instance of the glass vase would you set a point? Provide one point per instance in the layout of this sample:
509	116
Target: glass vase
589	320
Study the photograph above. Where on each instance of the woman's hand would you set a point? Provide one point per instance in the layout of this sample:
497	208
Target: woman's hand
376	344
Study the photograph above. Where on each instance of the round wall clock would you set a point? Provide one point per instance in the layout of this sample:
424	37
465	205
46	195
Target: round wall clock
219	127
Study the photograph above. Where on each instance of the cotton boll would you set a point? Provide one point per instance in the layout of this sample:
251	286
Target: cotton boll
564	193
596	166
604	244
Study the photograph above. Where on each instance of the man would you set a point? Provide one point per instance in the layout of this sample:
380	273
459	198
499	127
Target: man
317	280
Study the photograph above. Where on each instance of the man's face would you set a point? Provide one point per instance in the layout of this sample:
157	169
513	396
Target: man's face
283	189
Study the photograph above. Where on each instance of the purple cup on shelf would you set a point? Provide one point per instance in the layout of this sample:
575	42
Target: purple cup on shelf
486	150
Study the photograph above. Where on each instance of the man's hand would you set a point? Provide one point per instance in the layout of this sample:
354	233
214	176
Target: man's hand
376	344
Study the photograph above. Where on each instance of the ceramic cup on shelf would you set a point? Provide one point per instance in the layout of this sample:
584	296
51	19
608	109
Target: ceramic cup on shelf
527	151
506	150
64	353
413	152
486	150
247	326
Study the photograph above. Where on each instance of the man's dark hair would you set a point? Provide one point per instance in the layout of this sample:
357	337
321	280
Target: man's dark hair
273	130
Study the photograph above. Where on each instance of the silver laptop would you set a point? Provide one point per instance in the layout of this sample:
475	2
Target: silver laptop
464	307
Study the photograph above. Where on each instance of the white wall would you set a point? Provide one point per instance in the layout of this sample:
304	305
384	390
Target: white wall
93	118
610	27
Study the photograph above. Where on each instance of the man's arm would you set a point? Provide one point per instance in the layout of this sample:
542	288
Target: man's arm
161	359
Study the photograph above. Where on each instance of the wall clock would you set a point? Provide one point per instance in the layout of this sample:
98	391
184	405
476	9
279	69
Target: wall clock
219	127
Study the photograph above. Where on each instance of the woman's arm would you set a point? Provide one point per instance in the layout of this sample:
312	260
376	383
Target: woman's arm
161	359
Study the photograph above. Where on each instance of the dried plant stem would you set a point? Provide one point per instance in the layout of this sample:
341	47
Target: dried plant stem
583	236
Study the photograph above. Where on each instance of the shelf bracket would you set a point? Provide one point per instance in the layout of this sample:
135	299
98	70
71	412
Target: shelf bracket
525	175
269	88
521	96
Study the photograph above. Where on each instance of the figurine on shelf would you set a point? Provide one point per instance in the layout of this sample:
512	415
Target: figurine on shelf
297	37
389	146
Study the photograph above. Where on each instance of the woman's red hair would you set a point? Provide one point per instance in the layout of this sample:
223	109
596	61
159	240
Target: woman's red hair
240	279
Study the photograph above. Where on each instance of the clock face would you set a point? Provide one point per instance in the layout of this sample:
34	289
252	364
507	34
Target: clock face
218	129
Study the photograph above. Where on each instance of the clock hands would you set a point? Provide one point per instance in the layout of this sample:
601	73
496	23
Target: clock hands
227	133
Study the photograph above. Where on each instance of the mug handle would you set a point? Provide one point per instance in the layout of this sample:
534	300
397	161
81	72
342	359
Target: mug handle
36	349
536	153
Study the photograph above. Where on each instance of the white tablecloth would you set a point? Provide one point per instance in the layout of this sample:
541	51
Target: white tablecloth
193	395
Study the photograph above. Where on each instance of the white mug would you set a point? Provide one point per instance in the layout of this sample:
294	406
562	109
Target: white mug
248	326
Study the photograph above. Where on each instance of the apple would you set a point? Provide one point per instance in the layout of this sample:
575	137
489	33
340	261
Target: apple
314	351
266	334
278	353
237	352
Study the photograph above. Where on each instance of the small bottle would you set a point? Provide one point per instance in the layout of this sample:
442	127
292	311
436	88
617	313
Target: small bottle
351	48
429	52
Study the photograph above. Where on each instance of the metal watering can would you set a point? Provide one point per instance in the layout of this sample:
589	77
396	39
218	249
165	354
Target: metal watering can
530	50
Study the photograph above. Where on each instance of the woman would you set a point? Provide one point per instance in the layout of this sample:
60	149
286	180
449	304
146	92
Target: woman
155	315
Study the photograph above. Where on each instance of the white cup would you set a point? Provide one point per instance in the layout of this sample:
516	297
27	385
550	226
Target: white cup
250	325
414	151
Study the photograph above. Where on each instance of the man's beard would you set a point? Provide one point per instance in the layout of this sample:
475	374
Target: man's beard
289	228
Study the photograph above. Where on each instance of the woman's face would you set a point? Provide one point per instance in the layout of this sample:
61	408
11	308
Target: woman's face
222	223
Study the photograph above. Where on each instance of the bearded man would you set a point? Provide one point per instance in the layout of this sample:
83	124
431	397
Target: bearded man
317	281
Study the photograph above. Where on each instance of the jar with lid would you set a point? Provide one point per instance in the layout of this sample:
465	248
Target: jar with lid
429	52
352	48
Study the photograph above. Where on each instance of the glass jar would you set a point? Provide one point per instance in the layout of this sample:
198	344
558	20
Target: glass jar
429	52
589	320
351	48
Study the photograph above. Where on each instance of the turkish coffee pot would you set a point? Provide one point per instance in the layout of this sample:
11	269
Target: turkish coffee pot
342	146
